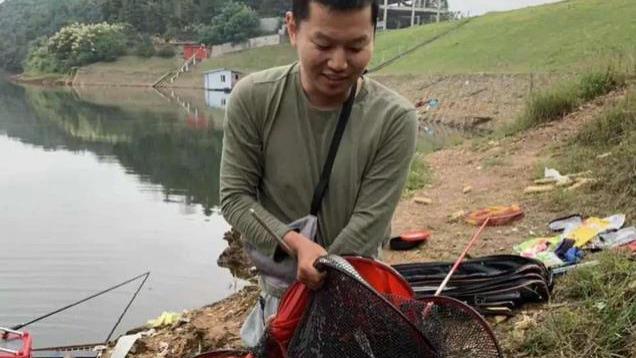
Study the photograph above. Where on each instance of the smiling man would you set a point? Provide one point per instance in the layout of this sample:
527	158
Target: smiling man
278	131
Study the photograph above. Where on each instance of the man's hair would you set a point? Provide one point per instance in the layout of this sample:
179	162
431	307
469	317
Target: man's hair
300	8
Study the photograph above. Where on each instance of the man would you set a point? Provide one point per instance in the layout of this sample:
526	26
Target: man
278	130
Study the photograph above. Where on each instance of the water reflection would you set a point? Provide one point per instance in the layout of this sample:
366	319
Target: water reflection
176	147
216	99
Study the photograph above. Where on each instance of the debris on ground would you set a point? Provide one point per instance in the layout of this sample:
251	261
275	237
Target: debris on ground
576	235
234	257
552	179
165	319
211	327
496	215
423	200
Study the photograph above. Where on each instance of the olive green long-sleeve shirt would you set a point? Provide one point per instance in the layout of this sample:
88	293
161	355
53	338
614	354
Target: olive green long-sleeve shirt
275	144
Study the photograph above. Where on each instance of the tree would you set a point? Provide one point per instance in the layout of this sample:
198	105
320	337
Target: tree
236	23
77	45
23	21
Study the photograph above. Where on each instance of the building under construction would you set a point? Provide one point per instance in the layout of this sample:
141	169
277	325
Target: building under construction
395	14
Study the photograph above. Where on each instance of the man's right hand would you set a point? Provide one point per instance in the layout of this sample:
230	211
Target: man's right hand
307	252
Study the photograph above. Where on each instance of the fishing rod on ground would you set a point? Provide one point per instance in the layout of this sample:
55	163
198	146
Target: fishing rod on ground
456	264
22	325
145	276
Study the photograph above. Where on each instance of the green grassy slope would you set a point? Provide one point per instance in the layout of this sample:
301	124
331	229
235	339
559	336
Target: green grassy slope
556	37
252	60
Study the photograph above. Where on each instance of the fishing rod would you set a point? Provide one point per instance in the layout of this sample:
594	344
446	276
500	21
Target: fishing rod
146	274
281	242
459	260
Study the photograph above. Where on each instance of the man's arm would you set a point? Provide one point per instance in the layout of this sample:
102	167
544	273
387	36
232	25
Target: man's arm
380	190
242	170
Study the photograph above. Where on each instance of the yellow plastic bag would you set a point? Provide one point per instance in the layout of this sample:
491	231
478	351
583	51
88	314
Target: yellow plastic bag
590	228
165	319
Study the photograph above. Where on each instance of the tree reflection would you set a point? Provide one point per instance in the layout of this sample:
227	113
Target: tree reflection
157	143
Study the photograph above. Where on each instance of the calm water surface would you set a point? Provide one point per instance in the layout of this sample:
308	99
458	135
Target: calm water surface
97	186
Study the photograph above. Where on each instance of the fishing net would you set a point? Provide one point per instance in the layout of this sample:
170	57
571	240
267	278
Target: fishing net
348	317
224	354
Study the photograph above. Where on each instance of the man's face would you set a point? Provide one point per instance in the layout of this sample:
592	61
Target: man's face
334	48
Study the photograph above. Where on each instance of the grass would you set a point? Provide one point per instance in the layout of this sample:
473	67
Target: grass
599	316
252	60
389	44
137	64
614	132
566	36
419	175
553	104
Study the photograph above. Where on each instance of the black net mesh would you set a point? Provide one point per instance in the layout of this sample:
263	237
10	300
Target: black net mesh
453	328
348	318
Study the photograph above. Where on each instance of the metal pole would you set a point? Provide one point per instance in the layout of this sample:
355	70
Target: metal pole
386	6
412	13
439	8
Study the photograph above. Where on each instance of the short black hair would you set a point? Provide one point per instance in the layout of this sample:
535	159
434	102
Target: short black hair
300	8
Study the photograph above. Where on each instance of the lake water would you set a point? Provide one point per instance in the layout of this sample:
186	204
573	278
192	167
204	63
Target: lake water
97	186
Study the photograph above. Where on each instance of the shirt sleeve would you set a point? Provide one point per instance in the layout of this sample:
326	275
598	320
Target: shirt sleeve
380	190
242	170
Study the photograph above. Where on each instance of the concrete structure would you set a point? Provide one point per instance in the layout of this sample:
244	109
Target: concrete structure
220	79
395	14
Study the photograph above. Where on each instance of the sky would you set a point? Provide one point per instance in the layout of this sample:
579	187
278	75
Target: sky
478	7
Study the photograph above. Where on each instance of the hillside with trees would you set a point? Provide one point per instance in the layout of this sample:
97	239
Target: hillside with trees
27	26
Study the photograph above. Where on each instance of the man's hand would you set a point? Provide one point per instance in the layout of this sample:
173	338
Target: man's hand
307	252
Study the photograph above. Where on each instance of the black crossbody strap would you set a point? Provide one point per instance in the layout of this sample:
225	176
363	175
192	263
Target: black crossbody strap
321	188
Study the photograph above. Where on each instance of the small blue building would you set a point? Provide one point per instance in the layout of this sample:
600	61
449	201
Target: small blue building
220	79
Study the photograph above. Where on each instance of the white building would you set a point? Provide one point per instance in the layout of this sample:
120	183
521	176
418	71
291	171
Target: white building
220	79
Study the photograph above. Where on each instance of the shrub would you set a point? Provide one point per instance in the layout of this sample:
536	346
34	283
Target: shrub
236	23
596	84
549	106
166	51
555	103
80	44
145	48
